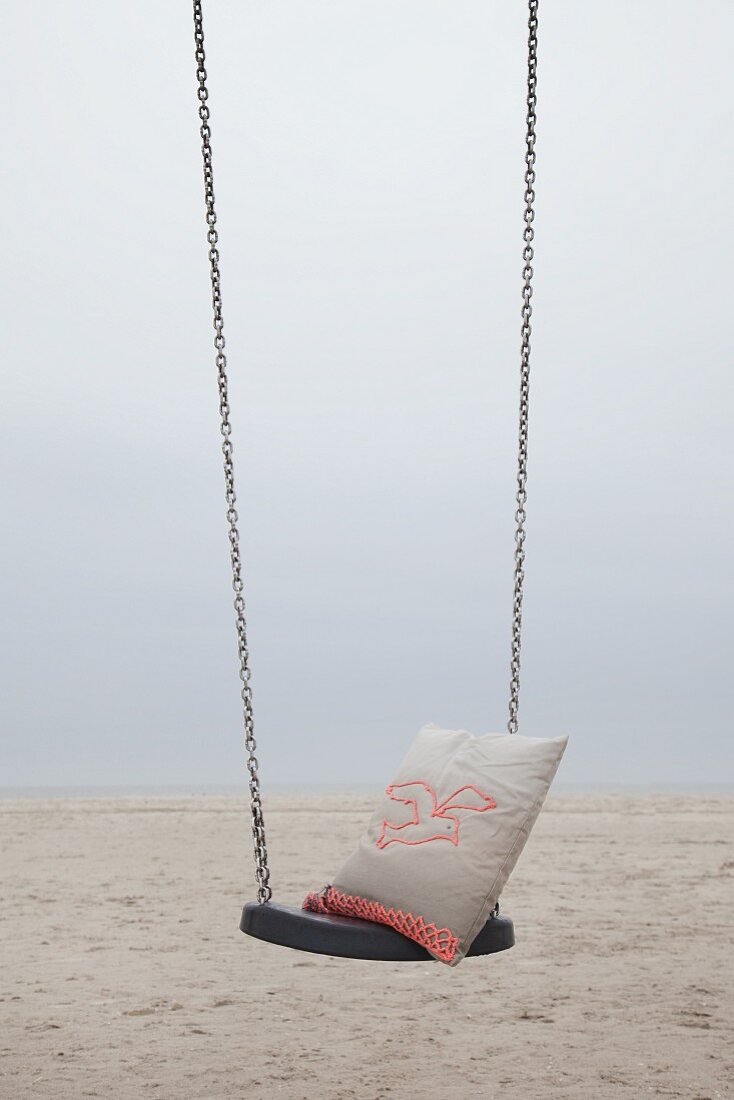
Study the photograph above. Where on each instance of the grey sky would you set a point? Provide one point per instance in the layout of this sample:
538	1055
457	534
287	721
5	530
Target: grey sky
368	164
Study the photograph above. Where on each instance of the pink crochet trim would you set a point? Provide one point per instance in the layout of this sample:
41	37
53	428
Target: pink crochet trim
441	942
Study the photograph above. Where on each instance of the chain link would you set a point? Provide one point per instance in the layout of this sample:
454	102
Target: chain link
527	312
262	873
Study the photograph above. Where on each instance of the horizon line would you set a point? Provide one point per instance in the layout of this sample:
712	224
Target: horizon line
162	790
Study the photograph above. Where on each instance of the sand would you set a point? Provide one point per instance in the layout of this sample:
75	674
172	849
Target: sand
124	973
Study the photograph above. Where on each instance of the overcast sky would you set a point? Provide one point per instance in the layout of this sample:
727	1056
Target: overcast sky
368	162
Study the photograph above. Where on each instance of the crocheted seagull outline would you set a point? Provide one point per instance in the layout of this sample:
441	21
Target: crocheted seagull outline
427	812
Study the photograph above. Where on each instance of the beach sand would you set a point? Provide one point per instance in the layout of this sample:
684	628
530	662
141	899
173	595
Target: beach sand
124	974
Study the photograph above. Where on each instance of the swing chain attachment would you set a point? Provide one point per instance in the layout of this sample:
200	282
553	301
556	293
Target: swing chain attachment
262	872
527	312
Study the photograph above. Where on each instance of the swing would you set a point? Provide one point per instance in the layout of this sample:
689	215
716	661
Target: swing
264	919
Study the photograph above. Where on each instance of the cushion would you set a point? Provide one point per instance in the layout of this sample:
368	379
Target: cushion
445	837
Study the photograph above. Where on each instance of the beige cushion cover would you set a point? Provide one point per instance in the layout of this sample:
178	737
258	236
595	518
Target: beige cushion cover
449	829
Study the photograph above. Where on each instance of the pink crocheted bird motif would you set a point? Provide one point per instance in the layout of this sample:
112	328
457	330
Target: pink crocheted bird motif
430	819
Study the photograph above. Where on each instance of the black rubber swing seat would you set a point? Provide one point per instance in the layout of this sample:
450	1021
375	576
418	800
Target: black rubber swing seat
350	938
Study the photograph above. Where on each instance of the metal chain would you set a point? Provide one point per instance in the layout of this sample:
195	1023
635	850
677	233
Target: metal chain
262	873
527	312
